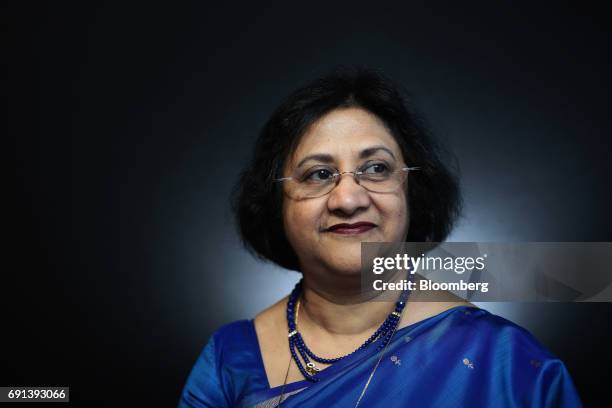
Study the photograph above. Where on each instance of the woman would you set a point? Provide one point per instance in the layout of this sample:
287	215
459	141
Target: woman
341	161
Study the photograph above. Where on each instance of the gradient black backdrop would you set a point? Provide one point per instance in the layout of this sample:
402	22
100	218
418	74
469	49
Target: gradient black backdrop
132	122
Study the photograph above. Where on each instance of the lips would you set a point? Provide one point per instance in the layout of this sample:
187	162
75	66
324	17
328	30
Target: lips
356	228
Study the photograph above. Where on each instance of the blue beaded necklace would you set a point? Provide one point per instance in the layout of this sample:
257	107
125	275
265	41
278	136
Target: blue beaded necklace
297	345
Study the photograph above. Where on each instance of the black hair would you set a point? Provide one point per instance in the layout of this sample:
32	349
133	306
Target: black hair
257	201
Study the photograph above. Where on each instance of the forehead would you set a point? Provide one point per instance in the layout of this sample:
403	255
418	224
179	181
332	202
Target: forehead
343	133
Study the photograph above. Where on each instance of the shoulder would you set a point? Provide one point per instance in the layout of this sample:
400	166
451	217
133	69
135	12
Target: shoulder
496	332
231	336
226	367
512	355
233	333
485	324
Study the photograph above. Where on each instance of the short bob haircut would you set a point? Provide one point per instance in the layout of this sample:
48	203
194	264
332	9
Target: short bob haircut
433	192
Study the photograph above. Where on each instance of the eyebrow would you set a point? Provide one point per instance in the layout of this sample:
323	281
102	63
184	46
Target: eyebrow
327	158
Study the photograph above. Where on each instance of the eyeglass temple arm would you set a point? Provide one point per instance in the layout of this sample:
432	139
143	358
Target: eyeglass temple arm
283	179
410	168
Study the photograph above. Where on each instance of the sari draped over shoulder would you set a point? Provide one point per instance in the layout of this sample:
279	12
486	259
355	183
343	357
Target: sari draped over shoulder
462	357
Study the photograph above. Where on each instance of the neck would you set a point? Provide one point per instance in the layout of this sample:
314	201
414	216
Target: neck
339	308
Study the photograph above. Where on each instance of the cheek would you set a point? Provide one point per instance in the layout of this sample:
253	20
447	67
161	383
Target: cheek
397	216
299	220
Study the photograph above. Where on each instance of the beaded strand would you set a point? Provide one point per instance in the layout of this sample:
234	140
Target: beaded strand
297	345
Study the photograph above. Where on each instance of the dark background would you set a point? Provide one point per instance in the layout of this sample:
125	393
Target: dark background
131	124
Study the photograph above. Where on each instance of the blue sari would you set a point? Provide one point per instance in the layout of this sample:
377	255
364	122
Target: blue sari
462	357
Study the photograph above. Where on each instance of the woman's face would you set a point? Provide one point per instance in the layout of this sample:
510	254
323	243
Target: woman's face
344	135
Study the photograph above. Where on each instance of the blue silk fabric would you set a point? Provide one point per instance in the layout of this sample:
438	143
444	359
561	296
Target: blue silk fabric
462	357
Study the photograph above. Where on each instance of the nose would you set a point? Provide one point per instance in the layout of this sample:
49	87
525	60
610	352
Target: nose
348	196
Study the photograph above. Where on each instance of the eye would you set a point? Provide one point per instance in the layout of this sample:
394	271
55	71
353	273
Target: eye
318	175
376	168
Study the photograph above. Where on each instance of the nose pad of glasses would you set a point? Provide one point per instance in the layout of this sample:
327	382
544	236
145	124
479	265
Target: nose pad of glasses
352	173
